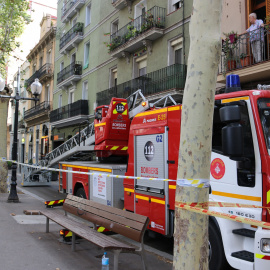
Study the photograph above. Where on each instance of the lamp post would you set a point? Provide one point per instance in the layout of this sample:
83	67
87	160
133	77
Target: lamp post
36	88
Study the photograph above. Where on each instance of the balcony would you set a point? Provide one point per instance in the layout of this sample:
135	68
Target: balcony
120	4
140	32
46	71
71	39
69	75
70	114
169	80
70	9
38	111
237	57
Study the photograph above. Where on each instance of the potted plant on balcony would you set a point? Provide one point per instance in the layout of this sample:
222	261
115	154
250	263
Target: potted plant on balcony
245	59
228	47
78	28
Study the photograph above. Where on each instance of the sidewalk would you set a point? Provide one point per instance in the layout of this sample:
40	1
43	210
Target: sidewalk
25	245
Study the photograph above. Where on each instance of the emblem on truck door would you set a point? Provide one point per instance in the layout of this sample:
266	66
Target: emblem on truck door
217	168
149	151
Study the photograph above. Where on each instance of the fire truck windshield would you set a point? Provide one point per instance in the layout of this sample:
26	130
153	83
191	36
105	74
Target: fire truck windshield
264	110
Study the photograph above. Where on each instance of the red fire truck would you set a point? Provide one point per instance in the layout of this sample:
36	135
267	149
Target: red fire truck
240	170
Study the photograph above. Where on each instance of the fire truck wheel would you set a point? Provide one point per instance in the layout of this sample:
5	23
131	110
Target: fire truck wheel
217	259
81	193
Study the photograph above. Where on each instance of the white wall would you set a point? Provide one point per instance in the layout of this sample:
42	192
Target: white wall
233	16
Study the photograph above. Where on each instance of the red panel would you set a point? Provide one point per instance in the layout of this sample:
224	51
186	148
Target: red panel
157	216
172	195
174	124
142	206
82	179
129	198
64	178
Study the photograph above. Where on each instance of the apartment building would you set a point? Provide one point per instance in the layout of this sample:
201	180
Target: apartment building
237	55
112	48
36	117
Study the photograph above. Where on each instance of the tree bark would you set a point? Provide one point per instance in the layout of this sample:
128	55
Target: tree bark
3	143
191	229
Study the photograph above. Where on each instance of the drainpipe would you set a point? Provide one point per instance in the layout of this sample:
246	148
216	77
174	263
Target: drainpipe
183	32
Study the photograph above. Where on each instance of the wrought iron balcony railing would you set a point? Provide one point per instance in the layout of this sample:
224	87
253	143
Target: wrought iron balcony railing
76	108
154	17
240	51
36	110
172	77
74	68
46	69
76	30
68	6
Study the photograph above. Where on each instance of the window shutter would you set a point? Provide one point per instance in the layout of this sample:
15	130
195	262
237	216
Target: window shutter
267	3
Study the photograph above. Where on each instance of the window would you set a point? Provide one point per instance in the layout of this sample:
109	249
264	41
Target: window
34	68
47	93
176	51
49	56
74	21
88	15
71	96
73	58
140	9
141	63
23	112
85	90
61	66
174	5
114	26
60	101
113	77
40	62
86	55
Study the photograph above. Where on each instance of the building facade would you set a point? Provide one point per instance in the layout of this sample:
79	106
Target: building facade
237	54
108	49
36	117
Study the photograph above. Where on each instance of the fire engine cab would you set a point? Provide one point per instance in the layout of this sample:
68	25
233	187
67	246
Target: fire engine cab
239	173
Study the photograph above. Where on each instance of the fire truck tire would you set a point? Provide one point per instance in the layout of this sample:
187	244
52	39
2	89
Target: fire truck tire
217	259
80	193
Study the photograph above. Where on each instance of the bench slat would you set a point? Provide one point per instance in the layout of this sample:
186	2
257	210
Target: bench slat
120	212
108	215
85	232
131	233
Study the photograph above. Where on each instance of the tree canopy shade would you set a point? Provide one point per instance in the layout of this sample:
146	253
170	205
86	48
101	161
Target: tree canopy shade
13	17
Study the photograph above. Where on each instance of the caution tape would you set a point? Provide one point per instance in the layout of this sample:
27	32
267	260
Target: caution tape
199	183
207	212
87	173
226	204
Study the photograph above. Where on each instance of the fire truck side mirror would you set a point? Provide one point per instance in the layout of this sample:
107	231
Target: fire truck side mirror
232	133
230	114
232	140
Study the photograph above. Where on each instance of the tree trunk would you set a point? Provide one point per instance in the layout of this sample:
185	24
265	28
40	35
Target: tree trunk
191	229
3	143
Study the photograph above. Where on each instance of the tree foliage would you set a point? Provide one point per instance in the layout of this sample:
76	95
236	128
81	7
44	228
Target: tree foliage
14	15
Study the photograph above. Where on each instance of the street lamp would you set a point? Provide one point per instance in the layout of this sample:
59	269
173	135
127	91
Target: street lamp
36	88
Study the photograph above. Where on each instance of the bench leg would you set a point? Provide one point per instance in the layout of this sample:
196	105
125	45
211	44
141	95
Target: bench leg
143	260
73	241
115	259
47	224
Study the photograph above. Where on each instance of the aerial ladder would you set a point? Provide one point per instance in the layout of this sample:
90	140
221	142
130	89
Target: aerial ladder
82	145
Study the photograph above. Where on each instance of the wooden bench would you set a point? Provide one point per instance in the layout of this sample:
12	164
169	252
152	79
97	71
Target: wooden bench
128	224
